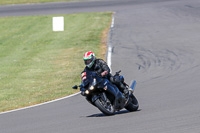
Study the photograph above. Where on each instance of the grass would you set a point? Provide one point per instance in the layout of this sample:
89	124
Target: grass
6	2
37	64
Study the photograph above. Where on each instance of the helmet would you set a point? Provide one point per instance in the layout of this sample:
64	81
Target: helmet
89	58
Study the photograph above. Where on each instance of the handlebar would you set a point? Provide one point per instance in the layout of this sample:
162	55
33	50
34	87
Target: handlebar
117	73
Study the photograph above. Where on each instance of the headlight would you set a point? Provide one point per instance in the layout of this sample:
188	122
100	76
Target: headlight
92	87
86	92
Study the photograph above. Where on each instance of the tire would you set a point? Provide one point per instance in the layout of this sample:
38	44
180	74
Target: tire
105	107
133	104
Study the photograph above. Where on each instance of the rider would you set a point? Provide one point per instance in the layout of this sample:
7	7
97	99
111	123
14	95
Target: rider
101	68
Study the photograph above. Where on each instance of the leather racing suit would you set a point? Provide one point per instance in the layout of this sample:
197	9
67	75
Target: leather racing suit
100	66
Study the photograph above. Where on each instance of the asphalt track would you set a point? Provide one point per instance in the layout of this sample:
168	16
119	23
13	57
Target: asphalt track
155	42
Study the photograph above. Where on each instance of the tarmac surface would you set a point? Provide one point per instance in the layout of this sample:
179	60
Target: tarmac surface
156	43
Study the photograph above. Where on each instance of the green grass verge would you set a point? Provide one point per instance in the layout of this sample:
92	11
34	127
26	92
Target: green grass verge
6	2
37	64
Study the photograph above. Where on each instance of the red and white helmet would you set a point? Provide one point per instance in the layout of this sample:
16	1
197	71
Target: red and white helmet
89	58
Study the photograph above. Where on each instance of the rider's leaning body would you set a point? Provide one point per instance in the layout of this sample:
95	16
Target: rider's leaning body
101	68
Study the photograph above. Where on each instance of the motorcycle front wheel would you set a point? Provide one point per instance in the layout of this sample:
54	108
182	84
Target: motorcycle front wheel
105	106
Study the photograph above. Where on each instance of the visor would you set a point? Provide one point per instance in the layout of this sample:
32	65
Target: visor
87	62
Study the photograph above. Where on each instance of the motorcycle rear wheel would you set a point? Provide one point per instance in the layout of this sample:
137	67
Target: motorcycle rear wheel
133	104
105	107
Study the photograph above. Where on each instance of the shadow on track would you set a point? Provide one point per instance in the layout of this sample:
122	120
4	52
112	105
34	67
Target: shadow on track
116	113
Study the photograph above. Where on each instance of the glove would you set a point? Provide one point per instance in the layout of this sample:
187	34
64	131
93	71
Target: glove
104	73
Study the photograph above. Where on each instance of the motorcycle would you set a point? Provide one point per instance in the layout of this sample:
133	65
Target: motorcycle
106	96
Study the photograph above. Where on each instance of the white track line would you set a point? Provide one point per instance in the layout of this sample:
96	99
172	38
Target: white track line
109	64
113	22
41	104
109	54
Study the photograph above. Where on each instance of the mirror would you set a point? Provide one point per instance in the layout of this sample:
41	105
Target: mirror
75	87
